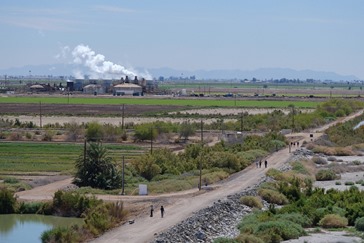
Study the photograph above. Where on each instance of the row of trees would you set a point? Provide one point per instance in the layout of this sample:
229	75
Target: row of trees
94	167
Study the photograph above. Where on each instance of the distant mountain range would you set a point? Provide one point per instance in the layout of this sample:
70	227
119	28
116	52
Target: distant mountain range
261	74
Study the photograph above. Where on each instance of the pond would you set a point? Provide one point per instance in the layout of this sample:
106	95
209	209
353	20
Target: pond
28	228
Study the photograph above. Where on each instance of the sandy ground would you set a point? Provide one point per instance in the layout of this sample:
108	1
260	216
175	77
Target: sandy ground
101	120
136	120
179	206
327	237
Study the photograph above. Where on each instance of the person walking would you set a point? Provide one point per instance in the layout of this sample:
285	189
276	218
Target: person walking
260	164
265	164
162	211
257	163
151	210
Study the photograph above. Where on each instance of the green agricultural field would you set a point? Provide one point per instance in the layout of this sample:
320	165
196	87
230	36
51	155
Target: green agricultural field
226	102
52	157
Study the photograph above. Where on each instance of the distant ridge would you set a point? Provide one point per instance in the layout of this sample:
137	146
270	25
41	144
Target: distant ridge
261	74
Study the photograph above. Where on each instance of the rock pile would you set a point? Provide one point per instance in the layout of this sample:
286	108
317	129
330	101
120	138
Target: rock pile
219	220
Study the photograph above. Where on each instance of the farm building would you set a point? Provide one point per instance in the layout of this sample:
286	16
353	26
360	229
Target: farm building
127	89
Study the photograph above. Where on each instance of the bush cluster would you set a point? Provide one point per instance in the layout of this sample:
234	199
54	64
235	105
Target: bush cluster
251	201
325	175
333	221
272	196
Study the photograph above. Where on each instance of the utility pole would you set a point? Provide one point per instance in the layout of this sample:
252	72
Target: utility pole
200	184
293	111
40	114
151	140
84	151
241	123
123	177
122	116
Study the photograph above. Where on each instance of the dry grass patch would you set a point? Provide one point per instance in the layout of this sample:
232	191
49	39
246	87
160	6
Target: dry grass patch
333	221
251	201
272	196
332	151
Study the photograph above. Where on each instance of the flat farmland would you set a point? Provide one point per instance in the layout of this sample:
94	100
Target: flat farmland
111	106
33	157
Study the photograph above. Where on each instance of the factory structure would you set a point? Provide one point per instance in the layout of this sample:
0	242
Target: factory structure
124	86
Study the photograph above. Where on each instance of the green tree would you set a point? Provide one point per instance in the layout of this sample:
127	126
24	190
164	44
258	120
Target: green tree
96	169
145	132
186	129
94	132
7	201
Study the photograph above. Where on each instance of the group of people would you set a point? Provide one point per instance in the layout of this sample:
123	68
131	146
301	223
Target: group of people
259	164
152	210
295	143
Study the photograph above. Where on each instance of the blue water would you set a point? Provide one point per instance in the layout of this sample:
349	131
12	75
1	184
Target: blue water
18	228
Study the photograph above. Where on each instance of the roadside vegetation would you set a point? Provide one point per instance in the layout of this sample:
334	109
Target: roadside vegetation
302	207
98	216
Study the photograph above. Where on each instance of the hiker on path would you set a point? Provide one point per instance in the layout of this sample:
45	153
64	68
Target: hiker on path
257	163
151	210
260	164
265	164
162	211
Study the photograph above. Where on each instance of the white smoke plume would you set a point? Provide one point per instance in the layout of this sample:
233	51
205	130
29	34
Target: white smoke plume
98	67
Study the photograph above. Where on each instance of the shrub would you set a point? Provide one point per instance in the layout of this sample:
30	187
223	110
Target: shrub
243	238
29	207
297	218
272	196
325	175
274	231
338	183
11	180
251	201
356	162
319	160
48	135
275	174
15	136
333	221
224	240
61	234
349	183
331	158
28	135
7	201
359	224
104	217
71	204
359	182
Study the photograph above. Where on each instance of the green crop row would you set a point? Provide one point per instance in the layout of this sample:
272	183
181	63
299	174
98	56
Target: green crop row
58	157
227	102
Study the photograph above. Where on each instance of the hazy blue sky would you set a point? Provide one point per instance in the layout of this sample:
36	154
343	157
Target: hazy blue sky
324	35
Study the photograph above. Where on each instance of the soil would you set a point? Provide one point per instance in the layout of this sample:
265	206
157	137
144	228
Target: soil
83	110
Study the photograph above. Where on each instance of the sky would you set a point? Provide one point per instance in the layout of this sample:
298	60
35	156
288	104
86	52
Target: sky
321	35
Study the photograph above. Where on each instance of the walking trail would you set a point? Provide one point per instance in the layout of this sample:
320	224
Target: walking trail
180	206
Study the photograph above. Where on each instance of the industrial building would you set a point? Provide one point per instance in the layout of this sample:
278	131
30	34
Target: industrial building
127	89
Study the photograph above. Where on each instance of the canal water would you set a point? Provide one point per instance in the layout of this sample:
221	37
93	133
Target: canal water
20	228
